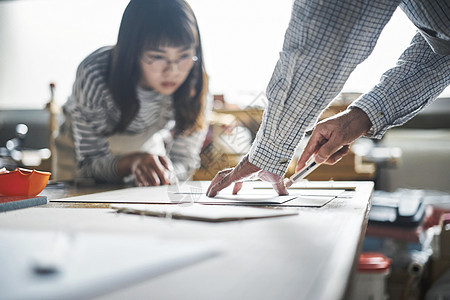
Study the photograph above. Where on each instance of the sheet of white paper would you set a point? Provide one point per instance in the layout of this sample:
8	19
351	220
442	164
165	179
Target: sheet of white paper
302	185
206	213
128	195
132	196
245	198
308	192
308	201
94	263
292	200
168	194
194	192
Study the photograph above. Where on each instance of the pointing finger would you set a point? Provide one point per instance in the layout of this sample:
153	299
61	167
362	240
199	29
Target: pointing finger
217	183
237	187
280	188
314	143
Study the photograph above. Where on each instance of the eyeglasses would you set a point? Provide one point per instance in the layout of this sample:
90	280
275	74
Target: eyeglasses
158	63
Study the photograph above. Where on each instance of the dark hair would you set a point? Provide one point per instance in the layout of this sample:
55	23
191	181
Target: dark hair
151	23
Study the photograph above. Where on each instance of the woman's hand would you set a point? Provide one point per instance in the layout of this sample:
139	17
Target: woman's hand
147	169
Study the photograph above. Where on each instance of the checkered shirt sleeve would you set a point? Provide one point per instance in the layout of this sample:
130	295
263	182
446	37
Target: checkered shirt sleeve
324	42
418	78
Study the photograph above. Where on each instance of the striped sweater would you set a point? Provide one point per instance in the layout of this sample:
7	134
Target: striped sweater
92	112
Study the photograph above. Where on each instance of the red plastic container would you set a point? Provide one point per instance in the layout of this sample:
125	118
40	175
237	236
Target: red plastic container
370	279
23	182
373	262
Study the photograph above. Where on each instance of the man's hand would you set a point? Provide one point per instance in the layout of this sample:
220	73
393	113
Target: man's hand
244	170
331	138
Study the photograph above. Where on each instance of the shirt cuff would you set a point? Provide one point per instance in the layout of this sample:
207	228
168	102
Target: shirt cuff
374	106
102	169
181	171
271	157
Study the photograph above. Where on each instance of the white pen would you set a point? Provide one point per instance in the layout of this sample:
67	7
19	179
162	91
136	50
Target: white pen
310	166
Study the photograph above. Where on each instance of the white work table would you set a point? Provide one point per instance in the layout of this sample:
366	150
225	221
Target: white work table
307	256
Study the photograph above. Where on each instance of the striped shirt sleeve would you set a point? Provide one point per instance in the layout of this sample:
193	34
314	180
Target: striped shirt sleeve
90	117
185	154
185	150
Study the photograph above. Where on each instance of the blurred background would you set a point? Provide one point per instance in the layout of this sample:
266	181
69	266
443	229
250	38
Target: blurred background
43	41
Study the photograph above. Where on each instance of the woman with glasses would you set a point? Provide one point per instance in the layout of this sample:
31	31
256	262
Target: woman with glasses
138	109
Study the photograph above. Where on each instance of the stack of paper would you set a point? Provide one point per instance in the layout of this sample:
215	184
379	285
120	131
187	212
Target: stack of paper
205	213
194	194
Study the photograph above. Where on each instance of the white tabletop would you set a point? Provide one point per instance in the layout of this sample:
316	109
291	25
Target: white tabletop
307	256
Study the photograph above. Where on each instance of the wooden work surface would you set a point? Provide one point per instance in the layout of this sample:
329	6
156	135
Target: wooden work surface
307	256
